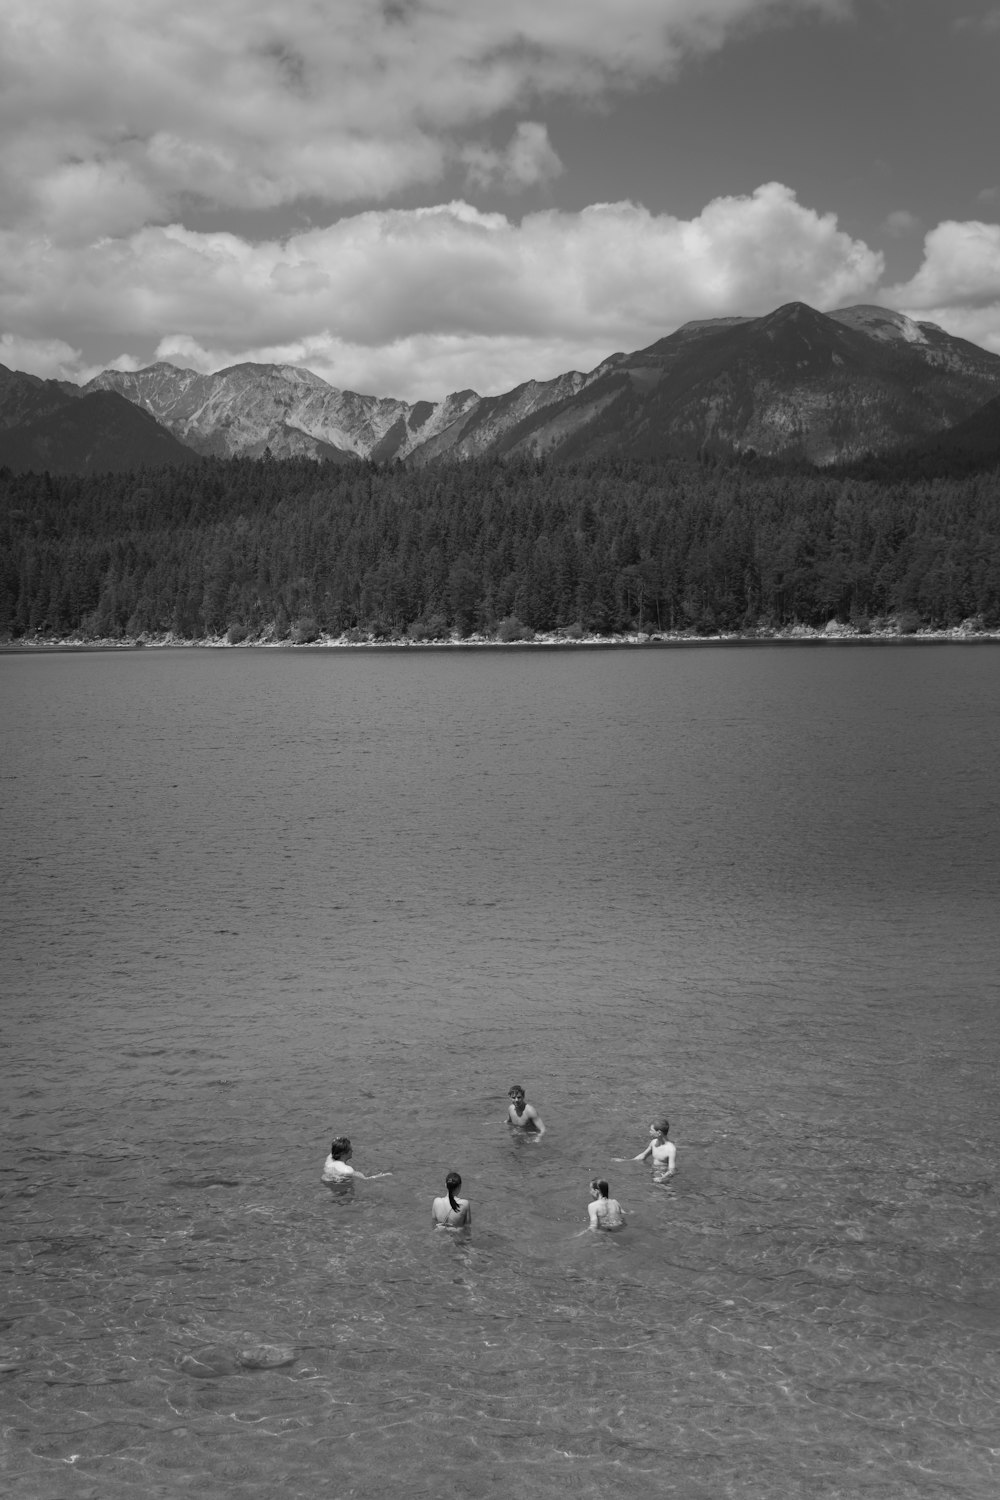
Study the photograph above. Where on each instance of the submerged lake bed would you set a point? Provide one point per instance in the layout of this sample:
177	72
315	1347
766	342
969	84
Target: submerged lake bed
255	899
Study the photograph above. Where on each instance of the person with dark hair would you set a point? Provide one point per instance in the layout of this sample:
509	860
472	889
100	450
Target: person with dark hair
337	1167
662	1152
449	1211
605	1212
521	1115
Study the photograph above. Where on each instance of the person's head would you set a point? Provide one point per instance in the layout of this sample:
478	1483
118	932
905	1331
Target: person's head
453	1182
662	1129
600	1187
515	1092
340	1149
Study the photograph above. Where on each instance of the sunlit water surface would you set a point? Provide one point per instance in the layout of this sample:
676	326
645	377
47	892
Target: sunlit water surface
253	899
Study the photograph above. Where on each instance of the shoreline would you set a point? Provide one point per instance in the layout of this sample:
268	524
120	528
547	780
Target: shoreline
794	635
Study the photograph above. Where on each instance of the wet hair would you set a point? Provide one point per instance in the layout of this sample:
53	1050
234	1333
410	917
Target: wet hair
600	1186
453	1182
340	1147
515	1088
664	1127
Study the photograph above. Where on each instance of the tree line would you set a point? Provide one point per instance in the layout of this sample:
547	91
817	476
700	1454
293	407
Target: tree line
293	549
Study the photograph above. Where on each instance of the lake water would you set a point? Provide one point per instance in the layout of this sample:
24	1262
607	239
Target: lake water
252	899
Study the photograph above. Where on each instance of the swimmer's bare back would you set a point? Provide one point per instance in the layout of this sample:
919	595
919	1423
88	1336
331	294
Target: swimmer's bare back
446	1217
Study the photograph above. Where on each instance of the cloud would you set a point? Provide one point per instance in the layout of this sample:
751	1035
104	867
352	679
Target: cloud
528	160
988	22
117	112
958	283
50	359
961	266
415	368
423	301
901	221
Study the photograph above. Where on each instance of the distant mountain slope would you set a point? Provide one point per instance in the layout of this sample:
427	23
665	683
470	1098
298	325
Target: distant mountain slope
793	385
796	384
974	442
91	434
487	426
25	398
247	408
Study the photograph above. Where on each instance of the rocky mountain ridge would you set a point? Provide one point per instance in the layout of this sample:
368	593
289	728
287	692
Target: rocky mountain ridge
793	385
248	408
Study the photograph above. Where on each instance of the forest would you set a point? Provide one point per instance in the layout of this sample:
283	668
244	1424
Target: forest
293	550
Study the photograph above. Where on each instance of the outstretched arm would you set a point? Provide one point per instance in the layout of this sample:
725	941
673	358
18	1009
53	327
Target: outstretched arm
643	1154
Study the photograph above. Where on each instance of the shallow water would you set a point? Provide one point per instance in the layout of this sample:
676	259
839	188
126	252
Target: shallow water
253	899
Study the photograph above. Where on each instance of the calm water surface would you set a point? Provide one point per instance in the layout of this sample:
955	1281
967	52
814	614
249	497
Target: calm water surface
251	899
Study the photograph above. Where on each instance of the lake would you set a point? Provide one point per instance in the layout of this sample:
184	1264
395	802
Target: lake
253	899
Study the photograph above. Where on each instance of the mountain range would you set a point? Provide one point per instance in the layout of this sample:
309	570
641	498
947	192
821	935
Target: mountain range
795	385
54	425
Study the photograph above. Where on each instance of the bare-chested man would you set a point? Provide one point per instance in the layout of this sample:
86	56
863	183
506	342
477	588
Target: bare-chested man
662	1151
522	1115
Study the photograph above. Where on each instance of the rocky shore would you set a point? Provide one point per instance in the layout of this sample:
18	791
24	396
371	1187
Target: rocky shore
833	633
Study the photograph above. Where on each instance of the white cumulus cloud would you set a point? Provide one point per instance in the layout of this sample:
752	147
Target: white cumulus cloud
958	283
50	359
422	301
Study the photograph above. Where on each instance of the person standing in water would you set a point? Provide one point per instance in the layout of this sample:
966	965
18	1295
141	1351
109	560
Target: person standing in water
450	1211
662	1151
337	1167
521	1115
605	1212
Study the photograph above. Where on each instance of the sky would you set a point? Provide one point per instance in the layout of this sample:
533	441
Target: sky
413	197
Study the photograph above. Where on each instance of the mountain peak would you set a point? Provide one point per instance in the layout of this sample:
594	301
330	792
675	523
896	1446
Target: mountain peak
880	323
163	367
792	312
794	383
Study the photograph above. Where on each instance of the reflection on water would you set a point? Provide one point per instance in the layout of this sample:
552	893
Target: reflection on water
252	900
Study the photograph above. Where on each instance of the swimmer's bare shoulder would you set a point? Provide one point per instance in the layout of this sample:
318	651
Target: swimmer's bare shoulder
523	1116
443	1216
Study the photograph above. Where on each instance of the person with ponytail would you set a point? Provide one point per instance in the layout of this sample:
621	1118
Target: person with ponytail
450	1211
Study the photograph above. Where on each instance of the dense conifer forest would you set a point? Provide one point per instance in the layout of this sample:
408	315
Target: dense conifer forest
292	550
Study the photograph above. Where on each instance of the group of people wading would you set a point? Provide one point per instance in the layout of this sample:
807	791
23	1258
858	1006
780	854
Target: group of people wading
449	1211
